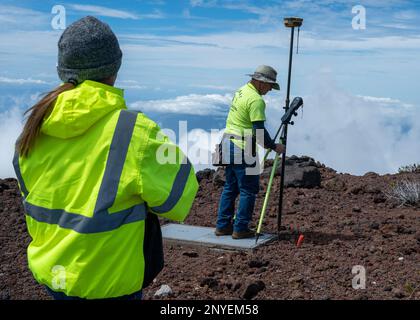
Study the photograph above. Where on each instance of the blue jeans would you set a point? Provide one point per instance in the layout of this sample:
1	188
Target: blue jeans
61	296
237	183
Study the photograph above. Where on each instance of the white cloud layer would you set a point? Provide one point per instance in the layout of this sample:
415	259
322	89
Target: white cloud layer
114	13
193	104
12	17
22	81
353	134
104	11
10	127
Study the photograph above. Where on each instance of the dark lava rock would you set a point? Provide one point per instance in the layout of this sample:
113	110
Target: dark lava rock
300	172
374	226
371	174
257	263
205	174
3	186
252	289
191	254
237	286
379	198
408	251
302	177
403	230
210	282
357	190
303	161
219	177
356	209
334	184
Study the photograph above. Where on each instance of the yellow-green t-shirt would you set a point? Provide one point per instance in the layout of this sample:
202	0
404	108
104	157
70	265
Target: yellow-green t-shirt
247	106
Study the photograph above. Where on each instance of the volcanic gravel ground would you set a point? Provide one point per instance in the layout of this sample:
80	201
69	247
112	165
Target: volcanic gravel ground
346	222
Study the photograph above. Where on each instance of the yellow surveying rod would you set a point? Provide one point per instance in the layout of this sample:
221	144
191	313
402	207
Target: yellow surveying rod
267	196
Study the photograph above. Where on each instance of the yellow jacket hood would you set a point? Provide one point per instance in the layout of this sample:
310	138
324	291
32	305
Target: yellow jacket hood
76	110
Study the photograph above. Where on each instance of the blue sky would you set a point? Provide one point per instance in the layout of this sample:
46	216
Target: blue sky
184	59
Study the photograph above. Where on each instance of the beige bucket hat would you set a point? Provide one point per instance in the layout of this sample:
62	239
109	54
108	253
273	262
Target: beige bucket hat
266	74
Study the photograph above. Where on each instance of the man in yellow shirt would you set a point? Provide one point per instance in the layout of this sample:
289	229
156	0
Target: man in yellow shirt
246	117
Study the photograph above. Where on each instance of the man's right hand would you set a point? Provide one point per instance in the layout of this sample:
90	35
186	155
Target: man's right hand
279	148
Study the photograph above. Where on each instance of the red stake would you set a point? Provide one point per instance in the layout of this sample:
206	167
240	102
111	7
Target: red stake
300	240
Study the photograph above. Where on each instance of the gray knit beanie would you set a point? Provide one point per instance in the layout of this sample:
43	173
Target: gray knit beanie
88	50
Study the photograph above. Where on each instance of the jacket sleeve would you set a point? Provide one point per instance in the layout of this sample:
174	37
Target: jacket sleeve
167	179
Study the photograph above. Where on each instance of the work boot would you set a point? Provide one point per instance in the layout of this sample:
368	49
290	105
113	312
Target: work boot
224	231
243	234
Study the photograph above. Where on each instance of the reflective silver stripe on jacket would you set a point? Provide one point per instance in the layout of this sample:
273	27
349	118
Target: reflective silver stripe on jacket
101	220
177	189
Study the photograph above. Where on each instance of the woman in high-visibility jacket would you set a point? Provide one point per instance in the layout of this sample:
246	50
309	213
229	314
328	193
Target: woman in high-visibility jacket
94	179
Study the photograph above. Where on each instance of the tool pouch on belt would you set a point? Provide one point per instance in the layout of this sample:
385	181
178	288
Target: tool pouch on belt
217	155
218	158
221	160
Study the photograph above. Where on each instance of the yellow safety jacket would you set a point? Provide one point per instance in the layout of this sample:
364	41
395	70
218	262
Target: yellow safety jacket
247	106
92	189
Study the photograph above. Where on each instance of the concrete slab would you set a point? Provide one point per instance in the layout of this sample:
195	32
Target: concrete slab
204	236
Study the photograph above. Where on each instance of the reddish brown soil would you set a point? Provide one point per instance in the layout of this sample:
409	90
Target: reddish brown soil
346	222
